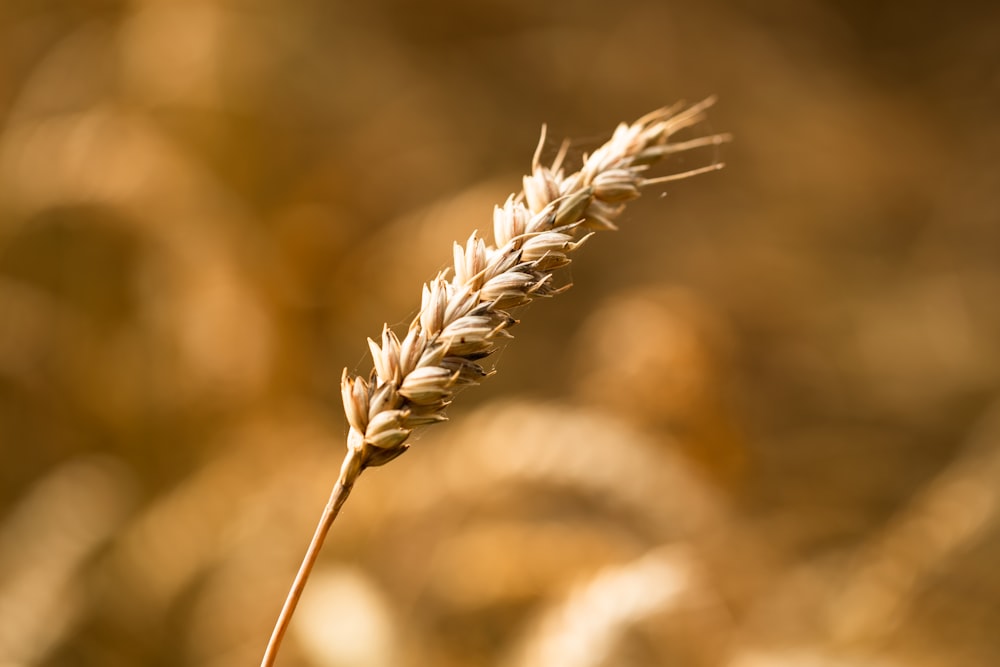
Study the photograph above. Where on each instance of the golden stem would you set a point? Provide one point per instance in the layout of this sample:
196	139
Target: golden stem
342	489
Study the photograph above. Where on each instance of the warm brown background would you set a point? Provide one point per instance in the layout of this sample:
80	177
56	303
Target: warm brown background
762	430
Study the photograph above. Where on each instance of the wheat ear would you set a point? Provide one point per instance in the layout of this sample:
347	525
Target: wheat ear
461	317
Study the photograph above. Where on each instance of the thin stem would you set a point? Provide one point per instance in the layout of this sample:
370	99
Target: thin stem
338	496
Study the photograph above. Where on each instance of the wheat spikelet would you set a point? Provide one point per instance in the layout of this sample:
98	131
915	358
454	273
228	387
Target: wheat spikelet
461	317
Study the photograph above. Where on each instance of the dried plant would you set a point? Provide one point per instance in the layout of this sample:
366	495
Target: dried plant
582	629
462	316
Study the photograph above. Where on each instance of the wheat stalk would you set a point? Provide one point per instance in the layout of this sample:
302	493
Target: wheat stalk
461	317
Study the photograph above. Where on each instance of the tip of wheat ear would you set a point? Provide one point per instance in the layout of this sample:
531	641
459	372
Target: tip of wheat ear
461	317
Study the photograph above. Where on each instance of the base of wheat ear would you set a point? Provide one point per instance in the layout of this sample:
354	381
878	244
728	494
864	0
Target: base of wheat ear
465	310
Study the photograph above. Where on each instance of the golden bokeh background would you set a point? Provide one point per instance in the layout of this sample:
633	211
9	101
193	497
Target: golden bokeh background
762	430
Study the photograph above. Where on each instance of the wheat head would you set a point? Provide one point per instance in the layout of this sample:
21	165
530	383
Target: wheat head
463	314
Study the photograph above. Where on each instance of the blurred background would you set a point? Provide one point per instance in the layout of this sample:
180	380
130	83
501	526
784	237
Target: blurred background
762	430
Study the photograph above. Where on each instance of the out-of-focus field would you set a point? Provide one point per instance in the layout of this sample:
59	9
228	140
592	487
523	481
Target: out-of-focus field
762	430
